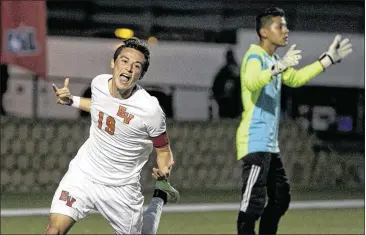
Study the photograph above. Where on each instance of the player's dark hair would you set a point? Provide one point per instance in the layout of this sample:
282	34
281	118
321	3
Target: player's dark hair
265	17
139	45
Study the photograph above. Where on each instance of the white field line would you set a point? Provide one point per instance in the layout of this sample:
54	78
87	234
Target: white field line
208	207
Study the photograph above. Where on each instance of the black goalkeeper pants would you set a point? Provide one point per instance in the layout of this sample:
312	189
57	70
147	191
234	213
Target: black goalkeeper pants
263	175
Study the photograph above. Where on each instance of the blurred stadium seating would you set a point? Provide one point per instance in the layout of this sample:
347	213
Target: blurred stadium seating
36	153
187	20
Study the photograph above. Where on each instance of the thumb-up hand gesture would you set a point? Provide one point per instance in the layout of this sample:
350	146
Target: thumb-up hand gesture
63	95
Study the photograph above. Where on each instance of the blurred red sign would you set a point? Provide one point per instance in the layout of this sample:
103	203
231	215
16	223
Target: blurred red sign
23	34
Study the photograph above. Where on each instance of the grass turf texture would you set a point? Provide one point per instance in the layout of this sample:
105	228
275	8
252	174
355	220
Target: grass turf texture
44	200
329	221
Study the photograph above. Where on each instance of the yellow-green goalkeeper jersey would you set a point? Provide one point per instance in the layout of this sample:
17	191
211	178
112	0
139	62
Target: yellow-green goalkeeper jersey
261	92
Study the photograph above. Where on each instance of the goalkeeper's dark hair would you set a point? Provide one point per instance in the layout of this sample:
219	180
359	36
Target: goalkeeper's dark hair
265	17
139	45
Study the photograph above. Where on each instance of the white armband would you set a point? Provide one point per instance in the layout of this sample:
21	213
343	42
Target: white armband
75	101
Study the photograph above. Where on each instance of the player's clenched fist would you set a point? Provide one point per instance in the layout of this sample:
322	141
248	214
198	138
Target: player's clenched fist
63	95
162	174
159	174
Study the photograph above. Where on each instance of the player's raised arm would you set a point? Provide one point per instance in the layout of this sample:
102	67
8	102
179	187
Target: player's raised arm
254	77
251	74
337	51
64	97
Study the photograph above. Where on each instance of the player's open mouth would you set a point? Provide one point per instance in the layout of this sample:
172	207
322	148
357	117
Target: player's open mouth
124	77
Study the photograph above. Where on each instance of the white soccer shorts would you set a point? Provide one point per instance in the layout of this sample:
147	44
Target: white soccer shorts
122	206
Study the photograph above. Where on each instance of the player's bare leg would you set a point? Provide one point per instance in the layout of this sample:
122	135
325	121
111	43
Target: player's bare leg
163	193
59	224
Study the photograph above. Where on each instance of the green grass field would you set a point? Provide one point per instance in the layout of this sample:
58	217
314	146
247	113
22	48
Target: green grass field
331	221
320	221
220	196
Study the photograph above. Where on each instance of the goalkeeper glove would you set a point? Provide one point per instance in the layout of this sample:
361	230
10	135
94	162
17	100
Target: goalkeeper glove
291	58
336	52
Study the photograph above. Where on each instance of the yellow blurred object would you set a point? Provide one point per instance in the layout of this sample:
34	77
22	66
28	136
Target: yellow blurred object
123	33
152	40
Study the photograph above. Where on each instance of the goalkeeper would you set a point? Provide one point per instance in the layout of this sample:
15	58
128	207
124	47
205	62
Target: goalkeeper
262	72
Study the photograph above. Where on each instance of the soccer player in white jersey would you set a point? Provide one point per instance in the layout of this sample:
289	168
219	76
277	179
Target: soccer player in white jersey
126	124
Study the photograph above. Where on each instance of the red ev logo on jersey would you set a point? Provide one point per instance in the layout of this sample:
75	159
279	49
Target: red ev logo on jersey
68	199
122	112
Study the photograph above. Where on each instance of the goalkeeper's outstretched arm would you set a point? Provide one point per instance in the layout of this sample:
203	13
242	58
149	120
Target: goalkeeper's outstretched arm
64	97
255	78
336	52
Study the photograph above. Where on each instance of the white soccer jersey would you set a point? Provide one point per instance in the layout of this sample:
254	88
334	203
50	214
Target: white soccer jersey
119	143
